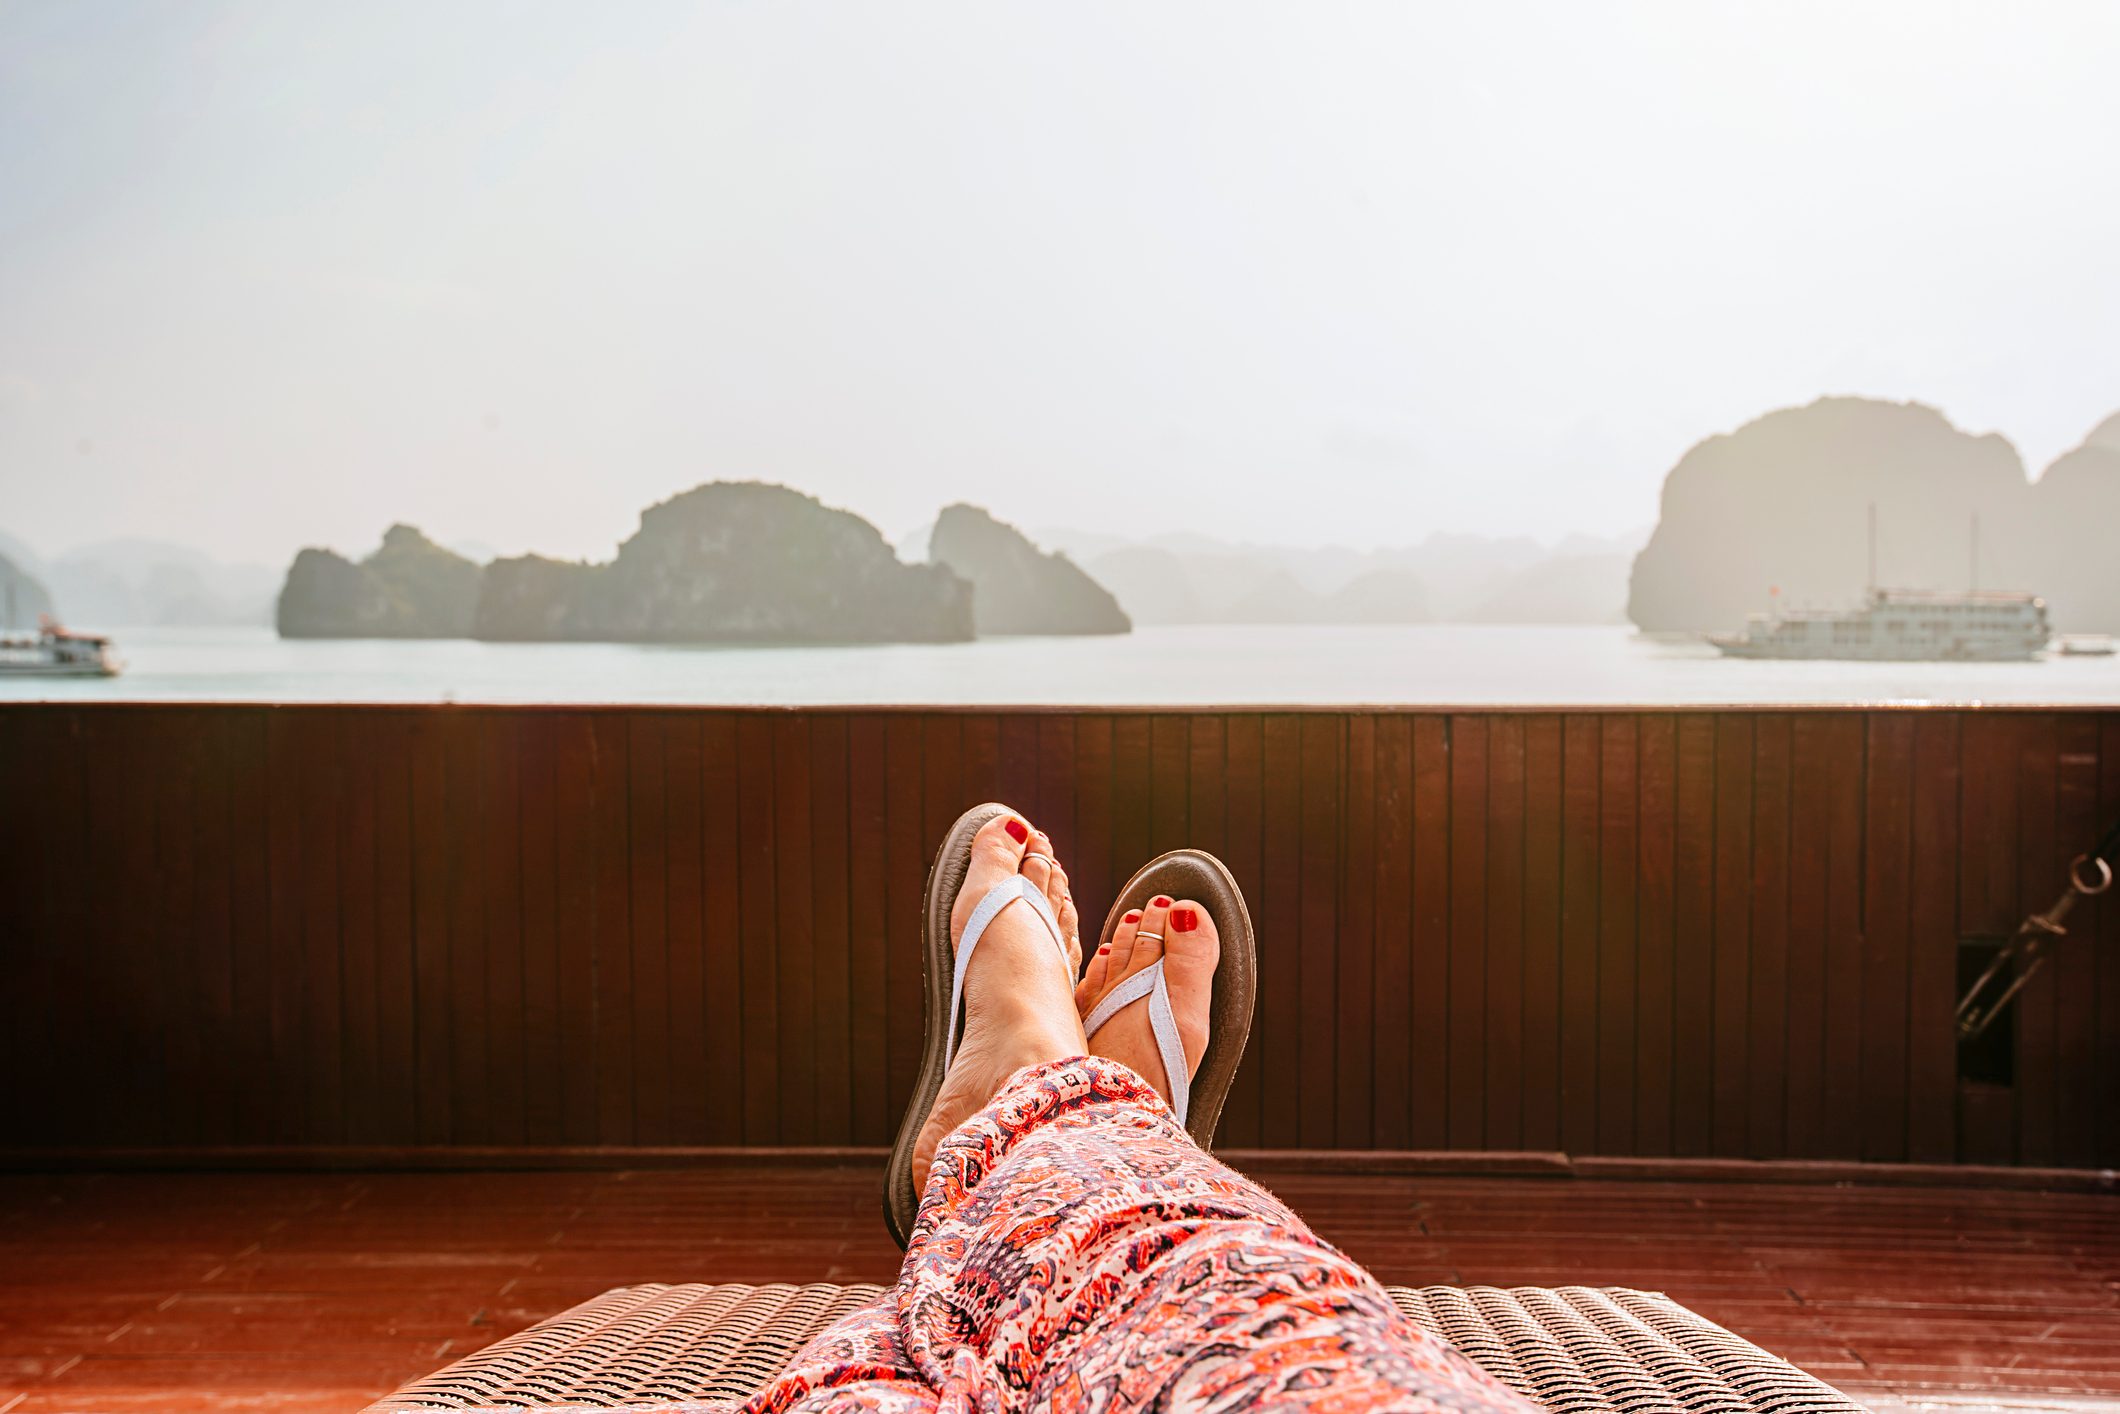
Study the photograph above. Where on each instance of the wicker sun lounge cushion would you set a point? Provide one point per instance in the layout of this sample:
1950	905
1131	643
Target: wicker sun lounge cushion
1568	1348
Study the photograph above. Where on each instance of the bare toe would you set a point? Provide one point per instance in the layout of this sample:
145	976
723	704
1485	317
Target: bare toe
1100	974
1182	935
997	852
1192	949
1043	868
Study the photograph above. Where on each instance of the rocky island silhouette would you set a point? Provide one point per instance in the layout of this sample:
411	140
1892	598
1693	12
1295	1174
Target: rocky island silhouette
726	562
1016	587
1778	511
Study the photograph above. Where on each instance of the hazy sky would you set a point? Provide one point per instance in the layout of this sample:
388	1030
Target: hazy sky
275	274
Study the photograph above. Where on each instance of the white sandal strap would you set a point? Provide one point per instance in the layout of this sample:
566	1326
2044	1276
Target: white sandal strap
1162	1023
1008	891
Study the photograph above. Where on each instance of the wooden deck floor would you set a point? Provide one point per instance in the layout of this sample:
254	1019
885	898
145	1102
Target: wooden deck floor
301	1292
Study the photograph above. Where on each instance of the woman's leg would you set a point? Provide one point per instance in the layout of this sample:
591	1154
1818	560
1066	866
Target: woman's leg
1019	1011
1077	1251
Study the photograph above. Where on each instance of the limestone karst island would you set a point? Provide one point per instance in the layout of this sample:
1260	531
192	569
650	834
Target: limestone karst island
727	562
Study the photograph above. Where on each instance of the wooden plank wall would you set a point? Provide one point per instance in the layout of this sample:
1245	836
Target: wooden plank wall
1708	933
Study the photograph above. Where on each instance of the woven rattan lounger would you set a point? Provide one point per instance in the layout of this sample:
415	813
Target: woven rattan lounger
1569	1348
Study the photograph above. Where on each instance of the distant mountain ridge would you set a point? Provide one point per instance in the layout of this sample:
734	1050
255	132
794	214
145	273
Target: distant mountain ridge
123	583
1446	578
23	599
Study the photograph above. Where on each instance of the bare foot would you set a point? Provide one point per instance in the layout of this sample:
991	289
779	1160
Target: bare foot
1190	949
1017	1009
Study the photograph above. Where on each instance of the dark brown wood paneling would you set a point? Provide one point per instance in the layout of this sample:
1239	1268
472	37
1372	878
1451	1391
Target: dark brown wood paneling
360	897
1051	743
1316	971
28	962
1280	1008
1019	773
464	858
1810	866
1767	992
832	924
1133	797
1169	805
1655	981
1693	953
1887	853
507	1052
1354	1055
249	1041
758	979
979	757
686	985
1932	944
1243	755
794	931
647	941
429	828
611	932
544	1070
174	960
868	833
217	903
1428	1081
1847	750
2038	847
906	854
2076	960
1503	1021
1089	868
2103	935
288	1122
1618	899
1732	921
1393	953
1542	933
1465	1107
574	920
1686	933
1579	889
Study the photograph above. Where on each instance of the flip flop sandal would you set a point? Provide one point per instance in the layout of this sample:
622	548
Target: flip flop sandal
942	972
1191	873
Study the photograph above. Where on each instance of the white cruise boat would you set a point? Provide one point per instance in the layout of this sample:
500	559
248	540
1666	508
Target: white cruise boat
1901	625
56	653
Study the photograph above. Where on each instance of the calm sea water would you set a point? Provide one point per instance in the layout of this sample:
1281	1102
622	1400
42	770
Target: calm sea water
1211	665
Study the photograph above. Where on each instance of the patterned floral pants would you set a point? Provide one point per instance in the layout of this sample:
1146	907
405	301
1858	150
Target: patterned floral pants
1077	1252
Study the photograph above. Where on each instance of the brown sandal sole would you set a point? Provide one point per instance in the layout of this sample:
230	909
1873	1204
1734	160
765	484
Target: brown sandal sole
1196	874
945	880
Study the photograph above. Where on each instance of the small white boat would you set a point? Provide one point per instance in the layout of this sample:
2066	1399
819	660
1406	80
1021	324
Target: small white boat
2085	645
57	653
1903	625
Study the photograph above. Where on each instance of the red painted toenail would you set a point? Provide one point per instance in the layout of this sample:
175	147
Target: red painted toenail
1105	949
1017	831
1133	917
1159	902
1185	920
